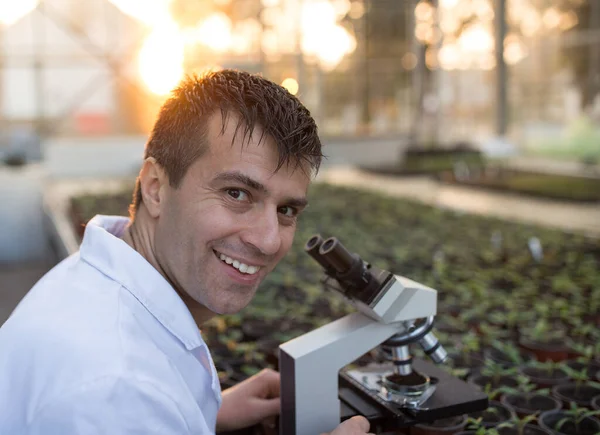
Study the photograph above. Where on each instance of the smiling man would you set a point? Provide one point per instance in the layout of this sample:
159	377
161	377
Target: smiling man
108	341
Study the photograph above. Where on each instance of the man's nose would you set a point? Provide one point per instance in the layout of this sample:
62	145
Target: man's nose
264	233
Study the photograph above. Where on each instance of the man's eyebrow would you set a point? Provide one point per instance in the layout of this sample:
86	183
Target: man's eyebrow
239	177
243	179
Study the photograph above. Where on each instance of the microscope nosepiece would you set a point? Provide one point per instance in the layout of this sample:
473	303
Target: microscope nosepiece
433	348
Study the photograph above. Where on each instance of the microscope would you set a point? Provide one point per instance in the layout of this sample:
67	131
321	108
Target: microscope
321	388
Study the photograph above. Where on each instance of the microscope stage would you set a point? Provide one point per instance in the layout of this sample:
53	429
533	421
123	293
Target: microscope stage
361	393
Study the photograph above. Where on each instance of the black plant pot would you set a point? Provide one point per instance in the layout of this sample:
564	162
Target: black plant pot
495	414
528	429
503	381
582	395
552	351
596	403
524	405
549	420
444	426
592	367
544	378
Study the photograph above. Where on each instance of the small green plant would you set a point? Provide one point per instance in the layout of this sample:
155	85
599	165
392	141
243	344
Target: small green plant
575	415
549	366
581	377
495	371
510	351
492	333
518	423
470	344
587	352
526	389
542	332
477	426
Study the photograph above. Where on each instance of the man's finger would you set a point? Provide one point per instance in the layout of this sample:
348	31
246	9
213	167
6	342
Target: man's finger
272	380
361	423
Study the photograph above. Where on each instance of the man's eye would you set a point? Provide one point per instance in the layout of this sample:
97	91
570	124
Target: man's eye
237	194
288	211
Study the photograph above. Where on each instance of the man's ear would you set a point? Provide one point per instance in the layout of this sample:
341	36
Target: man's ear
153	183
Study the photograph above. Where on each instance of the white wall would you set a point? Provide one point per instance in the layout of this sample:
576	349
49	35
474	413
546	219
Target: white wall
113	156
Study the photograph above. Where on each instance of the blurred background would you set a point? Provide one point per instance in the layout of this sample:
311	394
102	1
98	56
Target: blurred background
415	97
462	141
433	69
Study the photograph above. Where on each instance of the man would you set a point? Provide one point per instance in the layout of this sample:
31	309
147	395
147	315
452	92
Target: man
108	341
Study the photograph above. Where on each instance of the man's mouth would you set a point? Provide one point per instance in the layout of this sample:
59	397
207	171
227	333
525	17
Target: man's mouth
241	267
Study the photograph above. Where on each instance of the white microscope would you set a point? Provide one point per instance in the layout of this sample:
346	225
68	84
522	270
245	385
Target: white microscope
318	391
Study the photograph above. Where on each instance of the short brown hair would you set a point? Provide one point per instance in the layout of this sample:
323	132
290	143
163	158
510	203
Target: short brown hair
178	138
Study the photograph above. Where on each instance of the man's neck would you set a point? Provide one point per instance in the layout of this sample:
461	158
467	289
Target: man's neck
138	235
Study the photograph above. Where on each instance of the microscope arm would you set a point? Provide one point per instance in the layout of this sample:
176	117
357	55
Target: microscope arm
310	364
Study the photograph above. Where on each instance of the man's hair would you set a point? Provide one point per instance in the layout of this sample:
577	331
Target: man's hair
179	136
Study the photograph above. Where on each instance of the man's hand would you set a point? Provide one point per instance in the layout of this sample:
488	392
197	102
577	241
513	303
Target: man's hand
356	425
250	402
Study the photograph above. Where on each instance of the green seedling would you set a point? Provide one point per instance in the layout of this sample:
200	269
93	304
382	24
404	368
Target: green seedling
510	351
476	425
581	377
518	423
575	415
496	371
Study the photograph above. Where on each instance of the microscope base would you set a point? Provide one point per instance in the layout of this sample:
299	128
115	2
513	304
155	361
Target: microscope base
452	397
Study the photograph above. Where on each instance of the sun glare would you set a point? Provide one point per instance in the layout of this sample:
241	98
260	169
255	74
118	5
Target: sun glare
149	12
291	85
12	11
161	59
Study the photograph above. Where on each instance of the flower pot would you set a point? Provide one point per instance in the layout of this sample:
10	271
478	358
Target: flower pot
549	420
444	426
551	351
582	395
595	404
528	429
524	405
545	378
495	414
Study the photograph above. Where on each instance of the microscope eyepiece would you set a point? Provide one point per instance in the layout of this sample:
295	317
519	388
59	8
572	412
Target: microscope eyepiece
337	255
355	279
312	248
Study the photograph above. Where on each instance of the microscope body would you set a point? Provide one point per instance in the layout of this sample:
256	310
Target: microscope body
387	307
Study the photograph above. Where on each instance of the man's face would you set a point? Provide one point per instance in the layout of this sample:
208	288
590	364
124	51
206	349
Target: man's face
230	207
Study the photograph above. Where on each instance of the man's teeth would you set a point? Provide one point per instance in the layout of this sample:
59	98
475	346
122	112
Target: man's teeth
244	268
